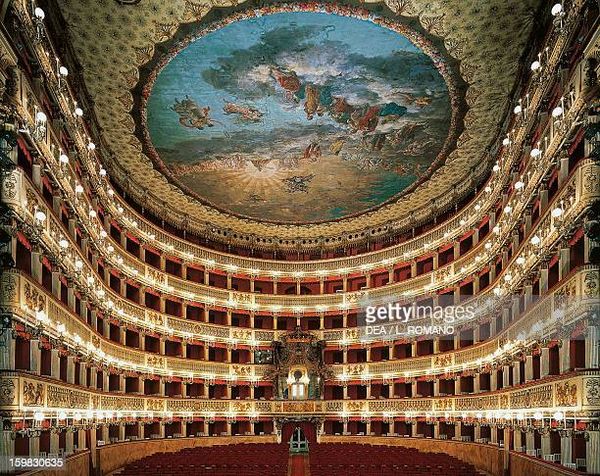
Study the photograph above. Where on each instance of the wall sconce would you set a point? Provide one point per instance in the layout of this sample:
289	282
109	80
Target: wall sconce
38	21
39	130
62	76
558	12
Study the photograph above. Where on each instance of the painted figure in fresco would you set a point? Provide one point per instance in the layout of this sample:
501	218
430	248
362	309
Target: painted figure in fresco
312	152
288	80
191	115
365	121
312	105
249	114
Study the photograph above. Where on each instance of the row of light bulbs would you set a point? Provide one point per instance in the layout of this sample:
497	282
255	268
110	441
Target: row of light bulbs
89	415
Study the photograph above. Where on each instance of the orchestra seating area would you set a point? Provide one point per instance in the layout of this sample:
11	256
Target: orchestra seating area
326	459
266	459
341	459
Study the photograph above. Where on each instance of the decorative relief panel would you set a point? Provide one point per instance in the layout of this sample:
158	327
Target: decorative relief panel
198	406
8	293
155	361
34	393
8	392
592	391
122	403
566	394
536	397
297	407
155	405
64	397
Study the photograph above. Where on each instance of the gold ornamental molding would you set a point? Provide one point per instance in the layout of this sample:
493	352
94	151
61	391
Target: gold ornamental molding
575	393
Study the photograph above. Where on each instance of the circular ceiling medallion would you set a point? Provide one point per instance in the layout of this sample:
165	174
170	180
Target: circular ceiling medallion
289	115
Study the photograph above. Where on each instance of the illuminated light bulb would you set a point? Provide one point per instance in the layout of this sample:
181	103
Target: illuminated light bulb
62	415
506	141
111	192
507	209
538	416
488	189
41	117
557	212
40	215
536	65
120	210
462	222
102	172
519	185
63	159
77	416
477	207
91	146
496	168
535	240
535	152
38	416
39	13
110	248
63	71
90	280
520	260
518	109
556	9
78	188
508	278
488	246
92	213
78	112
557	111
103	234
496	229
558	415
64	244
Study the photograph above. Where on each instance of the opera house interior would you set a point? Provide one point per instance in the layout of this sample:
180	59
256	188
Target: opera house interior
300	305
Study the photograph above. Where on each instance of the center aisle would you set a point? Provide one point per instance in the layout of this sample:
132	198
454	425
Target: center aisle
298	465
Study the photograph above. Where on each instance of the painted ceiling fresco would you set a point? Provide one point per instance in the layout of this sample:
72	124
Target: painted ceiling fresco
299	116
